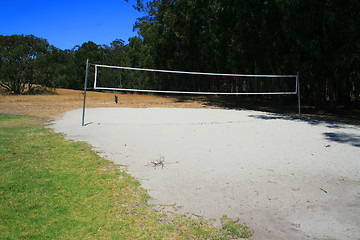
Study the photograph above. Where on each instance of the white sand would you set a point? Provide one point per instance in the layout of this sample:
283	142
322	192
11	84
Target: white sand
286	178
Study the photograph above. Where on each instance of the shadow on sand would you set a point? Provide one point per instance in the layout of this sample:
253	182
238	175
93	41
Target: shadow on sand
311	121
339	137
347	138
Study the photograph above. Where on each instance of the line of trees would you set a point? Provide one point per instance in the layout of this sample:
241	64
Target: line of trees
320	39
26	60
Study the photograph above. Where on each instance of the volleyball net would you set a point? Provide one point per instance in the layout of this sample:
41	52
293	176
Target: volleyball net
118	78
129	79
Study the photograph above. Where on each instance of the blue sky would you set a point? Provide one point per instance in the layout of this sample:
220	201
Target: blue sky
67	23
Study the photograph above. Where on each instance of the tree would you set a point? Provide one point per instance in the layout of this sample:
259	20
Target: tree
88	50
18	55
52	69
317	38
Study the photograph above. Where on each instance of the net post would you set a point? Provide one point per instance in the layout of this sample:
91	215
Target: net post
298	91
85	88
95	75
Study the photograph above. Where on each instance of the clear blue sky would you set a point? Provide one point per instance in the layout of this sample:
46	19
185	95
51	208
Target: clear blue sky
67	23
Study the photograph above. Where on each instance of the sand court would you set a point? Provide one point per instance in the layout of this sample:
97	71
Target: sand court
285	177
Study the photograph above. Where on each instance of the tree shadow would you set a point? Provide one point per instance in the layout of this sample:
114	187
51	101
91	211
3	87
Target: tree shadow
312	121
347	138
284	105
181	98
340	137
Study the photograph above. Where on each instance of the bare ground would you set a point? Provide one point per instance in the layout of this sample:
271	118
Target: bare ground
54	106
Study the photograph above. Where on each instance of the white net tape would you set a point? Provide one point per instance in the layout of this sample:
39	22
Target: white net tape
118	78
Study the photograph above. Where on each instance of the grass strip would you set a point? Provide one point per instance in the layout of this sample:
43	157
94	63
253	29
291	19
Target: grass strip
52	188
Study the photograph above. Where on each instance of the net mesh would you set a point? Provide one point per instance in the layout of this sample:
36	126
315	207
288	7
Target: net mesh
150	80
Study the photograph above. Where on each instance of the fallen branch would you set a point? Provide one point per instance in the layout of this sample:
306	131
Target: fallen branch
159	162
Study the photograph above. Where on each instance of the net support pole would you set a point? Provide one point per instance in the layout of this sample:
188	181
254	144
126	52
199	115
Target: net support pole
85	88
298	91
95	76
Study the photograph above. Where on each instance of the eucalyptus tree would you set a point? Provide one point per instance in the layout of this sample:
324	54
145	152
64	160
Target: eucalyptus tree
18	55
88	50
318	38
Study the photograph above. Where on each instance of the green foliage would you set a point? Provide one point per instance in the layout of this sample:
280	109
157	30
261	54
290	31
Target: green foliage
317	38
18	55
52	69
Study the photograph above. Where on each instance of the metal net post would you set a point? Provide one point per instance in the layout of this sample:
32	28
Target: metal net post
85	87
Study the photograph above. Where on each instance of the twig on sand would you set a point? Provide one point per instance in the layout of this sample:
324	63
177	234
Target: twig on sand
159	162
323	190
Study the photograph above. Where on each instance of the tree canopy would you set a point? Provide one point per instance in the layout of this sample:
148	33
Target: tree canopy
320	39
19	56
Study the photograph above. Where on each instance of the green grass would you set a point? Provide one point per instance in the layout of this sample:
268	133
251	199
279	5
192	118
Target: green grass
52	188
235	229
